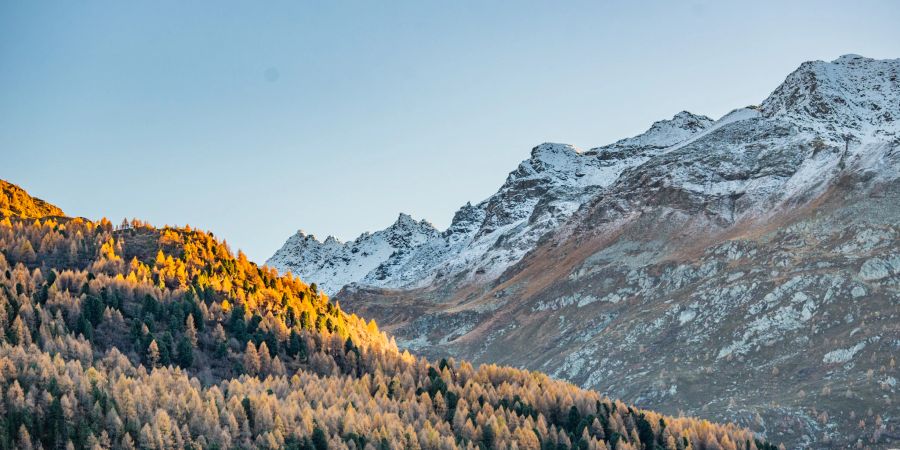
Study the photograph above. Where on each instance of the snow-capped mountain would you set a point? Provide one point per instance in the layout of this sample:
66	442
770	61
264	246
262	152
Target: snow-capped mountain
485	239
751	260
334	264
847	99
851	95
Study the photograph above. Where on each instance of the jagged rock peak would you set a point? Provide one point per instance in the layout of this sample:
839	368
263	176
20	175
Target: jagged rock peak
405	221
850	95
686	120
303	236
550	154
406	225
666	133
552	148
553	156
466	218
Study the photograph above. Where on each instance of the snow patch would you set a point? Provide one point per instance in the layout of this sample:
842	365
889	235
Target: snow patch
843	355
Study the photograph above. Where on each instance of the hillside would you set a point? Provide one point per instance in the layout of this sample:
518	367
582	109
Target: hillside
15	202
743	269
134	336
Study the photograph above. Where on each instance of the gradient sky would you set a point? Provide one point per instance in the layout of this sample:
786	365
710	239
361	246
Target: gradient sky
254	119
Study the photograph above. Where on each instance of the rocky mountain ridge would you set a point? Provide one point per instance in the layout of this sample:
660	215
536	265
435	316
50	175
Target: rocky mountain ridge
845	100
483	239
748	261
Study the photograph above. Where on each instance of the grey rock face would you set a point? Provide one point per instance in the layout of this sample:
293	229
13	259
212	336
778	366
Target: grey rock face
877	268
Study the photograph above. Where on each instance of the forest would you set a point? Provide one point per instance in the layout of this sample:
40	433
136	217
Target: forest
135	336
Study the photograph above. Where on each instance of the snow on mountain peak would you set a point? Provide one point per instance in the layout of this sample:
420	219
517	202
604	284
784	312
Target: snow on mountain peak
406	222
535	198
334	264
404	218
850	95
549	159
850	58
406	232
552	149
687	120
666	133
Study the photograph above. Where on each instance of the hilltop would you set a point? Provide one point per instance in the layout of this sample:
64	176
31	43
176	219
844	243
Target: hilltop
15	202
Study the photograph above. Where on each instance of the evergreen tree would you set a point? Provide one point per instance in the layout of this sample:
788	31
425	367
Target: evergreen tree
185	352
488	437
319	440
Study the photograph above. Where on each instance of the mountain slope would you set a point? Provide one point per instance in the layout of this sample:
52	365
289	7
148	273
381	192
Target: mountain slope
14	201
744	270
161	338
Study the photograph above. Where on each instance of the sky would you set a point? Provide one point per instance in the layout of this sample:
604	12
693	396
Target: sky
256	119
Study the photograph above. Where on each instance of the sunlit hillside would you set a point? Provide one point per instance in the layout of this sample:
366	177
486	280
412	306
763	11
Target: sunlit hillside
14	201
131	336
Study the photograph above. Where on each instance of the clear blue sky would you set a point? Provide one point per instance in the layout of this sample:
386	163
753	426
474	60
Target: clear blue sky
254	119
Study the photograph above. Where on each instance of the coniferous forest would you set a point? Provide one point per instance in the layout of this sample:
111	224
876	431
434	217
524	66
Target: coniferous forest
133	336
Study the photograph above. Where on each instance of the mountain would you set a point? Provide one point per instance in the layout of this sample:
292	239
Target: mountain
162	338
742	269
14	201
334	264
485	239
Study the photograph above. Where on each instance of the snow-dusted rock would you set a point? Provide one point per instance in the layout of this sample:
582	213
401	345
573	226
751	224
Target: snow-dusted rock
843	355
825	118
332	264
850	96
484	239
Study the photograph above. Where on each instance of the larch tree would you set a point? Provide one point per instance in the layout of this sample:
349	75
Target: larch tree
153	353
251	359
190	330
